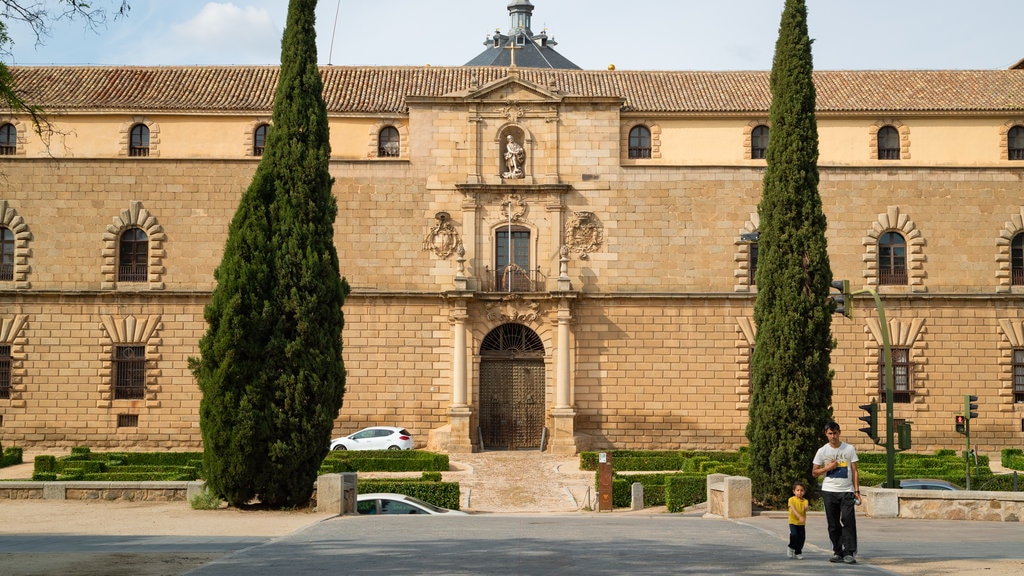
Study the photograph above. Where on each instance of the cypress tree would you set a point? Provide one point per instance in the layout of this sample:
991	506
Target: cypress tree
791	378
271	370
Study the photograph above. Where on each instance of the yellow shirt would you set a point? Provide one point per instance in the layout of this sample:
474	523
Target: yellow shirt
800	505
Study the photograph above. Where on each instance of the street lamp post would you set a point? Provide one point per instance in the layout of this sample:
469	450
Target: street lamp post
890	447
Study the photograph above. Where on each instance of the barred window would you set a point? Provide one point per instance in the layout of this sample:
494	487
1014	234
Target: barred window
129	372
892	259
127	420
8	139
759	142
1018	375
752	263
6	254
259	139
133	256
888	143
902	384
1015	143
139	143
640	142
5	371
1017	260
388	143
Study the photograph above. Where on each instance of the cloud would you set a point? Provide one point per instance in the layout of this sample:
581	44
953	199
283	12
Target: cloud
224	33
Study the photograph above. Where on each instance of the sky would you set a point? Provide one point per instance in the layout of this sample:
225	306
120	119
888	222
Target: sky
629	34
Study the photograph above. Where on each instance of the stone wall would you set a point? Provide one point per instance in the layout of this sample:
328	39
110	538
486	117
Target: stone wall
945	504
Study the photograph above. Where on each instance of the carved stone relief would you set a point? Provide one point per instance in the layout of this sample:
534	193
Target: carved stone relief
583	233
513	207
442	239
513	308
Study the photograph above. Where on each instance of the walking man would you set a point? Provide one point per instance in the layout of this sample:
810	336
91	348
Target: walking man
840	491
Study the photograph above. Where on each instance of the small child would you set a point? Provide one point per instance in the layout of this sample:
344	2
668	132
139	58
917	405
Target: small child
797	521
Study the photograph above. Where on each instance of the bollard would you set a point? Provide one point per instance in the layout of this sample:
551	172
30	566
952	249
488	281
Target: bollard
637	502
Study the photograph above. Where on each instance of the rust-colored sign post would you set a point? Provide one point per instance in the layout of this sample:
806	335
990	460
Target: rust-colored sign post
604	482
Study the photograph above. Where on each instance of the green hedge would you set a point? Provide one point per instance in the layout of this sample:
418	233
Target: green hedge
1013	458
83	464
443	494
10	457
665	460
944	464
683	491
383	461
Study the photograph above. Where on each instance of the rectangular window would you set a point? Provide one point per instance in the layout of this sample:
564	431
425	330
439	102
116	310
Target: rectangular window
512	262
5	371
902	384
1018	375
127	420
129	372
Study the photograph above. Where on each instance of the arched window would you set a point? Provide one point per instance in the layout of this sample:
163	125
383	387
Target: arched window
1015	143
640	142
6	254
512	260
758	142
8	139
888	143
139	143
388	144
892	259
133	256
1017	260
259	139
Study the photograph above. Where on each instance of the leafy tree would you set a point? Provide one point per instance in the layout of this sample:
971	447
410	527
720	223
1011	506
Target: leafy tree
38	16
792	382
271	369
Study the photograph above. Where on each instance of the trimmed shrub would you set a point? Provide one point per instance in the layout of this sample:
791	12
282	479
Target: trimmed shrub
10	457
683	491
443	494
384	461
1013	458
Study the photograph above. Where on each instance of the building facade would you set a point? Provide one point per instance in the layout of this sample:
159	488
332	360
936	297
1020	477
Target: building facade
540	258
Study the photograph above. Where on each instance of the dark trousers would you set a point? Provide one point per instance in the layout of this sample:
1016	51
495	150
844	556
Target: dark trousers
797	536
842	524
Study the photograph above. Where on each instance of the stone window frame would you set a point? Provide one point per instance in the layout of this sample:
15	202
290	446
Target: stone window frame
893	220
624	131
746	332
1004	137
1004	265
129	330
373	144
126	131
249	136
906	334
136	216
11	328
10	219
19	137
902	129
743	274
748	137
1012	331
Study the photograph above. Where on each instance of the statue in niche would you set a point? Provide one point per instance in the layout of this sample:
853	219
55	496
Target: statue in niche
515	159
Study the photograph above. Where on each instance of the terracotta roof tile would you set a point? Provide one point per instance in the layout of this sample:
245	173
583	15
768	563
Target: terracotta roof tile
384	89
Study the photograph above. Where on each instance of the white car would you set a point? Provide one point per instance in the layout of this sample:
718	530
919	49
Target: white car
387	503
375	438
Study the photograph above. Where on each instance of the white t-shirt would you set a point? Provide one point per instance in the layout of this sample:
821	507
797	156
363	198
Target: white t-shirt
840	479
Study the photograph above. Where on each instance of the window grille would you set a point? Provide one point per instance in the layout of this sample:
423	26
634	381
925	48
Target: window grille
640	142
902	381
129	372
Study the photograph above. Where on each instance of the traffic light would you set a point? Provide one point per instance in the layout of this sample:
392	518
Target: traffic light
843	300
961	424
872	420
904	439
970	409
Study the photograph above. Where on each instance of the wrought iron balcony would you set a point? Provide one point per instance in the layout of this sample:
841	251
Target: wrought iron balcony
512	278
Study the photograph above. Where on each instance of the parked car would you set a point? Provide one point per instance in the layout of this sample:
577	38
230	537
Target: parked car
387	503
375	438
927	484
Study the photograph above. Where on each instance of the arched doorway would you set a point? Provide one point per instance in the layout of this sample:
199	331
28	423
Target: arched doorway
512	389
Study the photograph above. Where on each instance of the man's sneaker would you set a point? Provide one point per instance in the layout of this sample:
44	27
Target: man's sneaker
836	558
849	559
799	556
790	553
